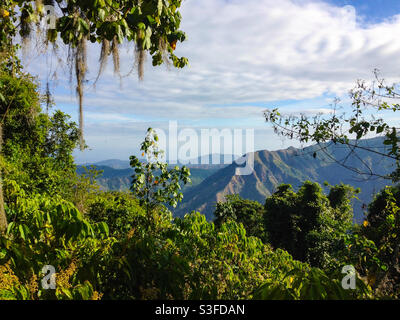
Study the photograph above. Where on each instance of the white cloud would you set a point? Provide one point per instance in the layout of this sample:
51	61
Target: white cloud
242	52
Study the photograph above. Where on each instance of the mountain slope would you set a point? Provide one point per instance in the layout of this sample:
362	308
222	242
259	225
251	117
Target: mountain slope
120	179
292	166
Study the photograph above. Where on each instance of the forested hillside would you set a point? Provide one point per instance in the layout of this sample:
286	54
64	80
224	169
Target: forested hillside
293	166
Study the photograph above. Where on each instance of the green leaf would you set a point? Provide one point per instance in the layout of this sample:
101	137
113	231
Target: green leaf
10	226
22	232
141	25
67	293
3	253
160	7
151	19
84	25
120	34
101	14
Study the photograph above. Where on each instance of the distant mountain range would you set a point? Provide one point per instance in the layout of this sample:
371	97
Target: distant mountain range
293	166
211	161
111	163
114	178
117	173
210	183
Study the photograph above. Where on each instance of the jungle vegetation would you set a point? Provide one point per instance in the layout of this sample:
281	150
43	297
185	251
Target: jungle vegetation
129	245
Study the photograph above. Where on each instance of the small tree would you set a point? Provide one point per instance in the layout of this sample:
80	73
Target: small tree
153	182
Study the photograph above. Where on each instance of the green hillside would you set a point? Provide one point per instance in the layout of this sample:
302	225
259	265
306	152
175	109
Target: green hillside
292	166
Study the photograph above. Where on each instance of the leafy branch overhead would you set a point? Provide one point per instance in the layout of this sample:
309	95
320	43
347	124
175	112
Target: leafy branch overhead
152	26
348	128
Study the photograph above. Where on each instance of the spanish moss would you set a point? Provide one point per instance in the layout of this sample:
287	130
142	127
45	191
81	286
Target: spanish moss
25	32
115	54
104	53
140	57
80	73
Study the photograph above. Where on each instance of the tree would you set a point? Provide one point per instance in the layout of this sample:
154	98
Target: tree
348	129
249	213
120	210
280	218
37	147
308	224
382	227
153	183
151	25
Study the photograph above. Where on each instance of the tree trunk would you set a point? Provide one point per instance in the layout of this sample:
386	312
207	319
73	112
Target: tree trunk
3	218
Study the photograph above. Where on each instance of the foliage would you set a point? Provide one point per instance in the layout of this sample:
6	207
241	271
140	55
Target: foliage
153	182
306	283
85	185
249	213
340	128
119	210
308	224
190	259
49	231
151	25
37	147
376	243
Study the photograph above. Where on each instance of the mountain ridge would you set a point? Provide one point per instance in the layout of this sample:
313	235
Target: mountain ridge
292	166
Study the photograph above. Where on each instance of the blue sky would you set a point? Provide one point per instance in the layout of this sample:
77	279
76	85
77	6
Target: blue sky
372	10
245	56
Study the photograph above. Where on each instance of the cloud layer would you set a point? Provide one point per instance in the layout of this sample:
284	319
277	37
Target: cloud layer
244	56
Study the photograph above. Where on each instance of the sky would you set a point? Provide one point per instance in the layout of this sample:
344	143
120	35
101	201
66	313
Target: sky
245	57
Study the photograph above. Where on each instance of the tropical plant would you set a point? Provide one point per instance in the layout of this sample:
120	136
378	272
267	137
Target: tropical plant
153	182
376	244
49	231
248	212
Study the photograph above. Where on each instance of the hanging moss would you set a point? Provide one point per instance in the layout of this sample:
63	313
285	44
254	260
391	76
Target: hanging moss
104	53
80	55
25	31
115	55
140	60
162	47
140	54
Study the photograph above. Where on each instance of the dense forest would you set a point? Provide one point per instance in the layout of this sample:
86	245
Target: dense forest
129	244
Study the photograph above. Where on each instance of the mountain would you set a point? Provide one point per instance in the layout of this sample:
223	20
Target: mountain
120	179
111	179
211	161
111	163
204	162
117	173
293	166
